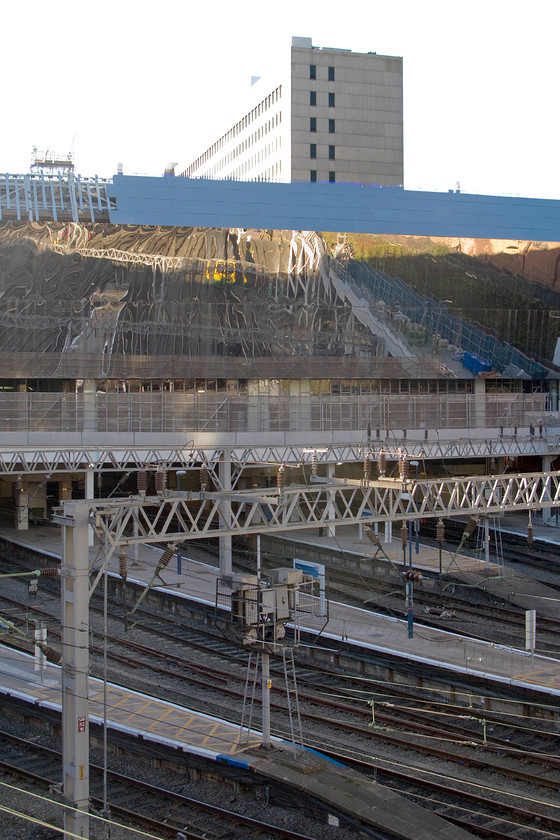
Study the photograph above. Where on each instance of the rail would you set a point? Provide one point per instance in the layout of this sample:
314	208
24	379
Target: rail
434	317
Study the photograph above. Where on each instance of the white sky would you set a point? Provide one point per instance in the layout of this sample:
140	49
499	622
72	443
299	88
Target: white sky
148	83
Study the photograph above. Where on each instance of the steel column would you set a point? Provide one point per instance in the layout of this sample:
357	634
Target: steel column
226	556
75	659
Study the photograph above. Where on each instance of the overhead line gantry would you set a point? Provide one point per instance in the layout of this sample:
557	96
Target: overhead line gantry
173	516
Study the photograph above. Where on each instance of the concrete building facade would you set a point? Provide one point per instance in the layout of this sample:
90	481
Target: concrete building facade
331	115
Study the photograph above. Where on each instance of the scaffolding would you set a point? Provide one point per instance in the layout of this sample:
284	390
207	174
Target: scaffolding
434	317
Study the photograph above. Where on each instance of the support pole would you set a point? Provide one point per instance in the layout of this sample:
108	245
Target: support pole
410	609
40	636
179	550
266	686
90	494
331	509
21	500
530	631
75	666
226	554
486	543
388	532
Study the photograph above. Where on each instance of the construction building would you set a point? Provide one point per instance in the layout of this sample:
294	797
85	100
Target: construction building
328	115
127	341
185	359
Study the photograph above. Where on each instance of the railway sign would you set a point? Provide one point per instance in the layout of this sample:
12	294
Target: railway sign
315	570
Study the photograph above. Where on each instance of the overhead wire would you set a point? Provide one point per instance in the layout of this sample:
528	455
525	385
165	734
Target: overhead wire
54	802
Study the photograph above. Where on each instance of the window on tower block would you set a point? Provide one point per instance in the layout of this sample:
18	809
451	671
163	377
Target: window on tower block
331	100
312	150
312	97
313	175
332	178
331	74
312	123
312	71
331	152
331	126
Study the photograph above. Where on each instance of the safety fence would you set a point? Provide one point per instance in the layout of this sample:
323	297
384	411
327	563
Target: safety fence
180	412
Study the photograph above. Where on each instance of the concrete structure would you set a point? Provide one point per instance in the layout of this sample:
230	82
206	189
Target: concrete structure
328	115
536	678
201	739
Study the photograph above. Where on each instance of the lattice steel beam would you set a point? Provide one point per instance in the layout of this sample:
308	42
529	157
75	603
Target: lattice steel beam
162	261
18	460
175	517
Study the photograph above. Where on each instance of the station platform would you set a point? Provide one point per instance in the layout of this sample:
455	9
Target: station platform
342	790
359	626
494	577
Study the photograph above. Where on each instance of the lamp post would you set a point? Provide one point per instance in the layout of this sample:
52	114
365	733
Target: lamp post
179	558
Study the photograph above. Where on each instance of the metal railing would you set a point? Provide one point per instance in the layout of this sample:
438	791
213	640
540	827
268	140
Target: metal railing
182	412
435	317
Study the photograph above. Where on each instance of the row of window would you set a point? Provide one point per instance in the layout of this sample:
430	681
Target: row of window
313	98
244	123
248	164
313	151
313	125
279	387
313	176
313	72
240	173
246	145
333	387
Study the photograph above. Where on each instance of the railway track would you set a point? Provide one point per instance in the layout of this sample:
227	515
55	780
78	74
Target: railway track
481	742
471	809
455	799
474	741
540	557
134	802
462	607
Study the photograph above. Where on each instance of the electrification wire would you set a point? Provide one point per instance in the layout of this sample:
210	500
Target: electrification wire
439	776
53	802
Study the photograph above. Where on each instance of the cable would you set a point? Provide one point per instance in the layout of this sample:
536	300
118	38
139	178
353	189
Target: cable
54	802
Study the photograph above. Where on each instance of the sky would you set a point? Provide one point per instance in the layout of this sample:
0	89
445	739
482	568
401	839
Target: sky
145	84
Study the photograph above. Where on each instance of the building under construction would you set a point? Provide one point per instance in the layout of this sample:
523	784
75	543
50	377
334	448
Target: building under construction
127	342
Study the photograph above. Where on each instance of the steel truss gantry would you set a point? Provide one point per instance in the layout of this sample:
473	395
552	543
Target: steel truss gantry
174	516
40	459
178	516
